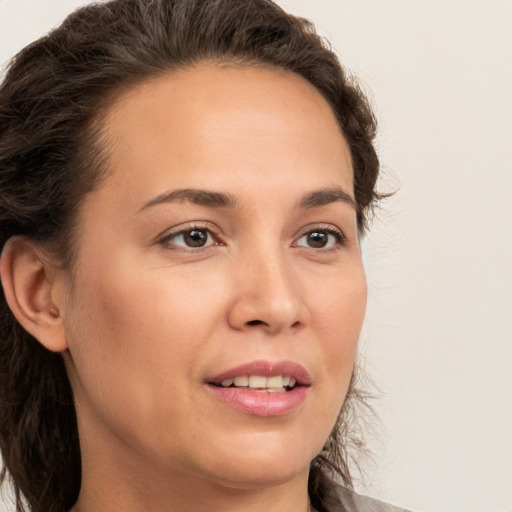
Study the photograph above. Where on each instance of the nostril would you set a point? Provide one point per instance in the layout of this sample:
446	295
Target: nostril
255	322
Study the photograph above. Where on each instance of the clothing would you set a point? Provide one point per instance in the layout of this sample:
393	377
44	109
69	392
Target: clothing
353	502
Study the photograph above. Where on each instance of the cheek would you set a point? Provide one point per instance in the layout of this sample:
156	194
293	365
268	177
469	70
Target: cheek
128	305
128	337
338	310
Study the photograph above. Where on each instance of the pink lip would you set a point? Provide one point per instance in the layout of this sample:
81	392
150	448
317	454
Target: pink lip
261	403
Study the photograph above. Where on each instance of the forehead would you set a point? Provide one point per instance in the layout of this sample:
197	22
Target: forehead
220	121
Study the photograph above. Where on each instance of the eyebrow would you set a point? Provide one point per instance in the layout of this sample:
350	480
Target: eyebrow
326	196
211	199
195	196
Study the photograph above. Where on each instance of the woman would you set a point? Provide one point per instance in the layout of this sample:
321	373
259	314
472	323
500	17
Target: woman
184	186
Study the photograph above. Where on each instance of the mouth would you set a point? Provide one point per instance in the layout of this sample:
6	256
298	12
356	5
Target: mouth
262	388
260	383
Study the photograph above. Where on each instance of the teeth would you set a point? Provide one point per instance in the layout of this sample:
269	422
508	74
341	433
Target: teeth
241	381
255	381
274	384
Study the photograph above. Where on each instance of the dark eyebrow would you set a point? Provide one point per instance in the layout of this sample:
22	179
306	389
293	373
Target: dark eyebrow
323	197
196	196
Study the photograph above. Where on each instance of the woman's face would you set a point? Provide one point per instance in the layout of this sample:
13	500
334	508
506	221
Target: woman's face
220	252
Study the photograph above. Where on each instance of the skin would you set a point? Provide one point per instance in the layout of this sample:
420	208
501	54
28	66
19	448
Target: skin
143	320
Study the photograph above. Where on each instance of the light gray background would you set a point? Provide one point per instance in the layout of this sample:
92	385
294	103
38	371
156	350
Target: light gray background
438	336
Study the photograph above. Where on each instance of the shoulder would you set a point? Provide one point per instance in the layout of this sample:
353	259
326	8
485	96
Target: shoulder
353	502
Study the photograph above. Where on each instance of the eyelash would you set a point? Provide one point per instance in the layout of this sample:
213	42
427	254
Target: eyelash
340	239
211	233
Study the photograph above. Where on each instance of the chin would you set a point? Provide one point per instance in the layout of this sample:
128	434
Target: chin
255	476
263	465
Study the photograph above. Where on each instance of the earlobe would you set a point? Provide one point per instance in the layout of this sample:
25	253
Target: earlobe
28	281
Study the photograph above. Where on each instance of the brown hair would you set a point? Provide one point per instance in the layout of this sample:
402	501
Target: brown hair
52	95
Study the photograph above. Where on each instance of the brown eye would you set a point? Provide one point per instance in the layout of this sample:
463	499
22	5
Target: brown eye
320	239
195	238
317	239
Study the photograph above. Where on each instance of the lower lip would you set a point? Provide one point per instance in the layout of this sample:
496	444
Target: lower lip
261	403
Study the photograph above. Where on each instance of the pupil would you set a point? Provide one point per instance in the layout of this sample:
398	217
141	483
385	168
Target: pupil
317	239
196	238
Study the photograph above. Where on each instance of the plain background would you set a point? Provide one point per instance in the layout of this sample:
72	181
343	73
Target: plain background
438	336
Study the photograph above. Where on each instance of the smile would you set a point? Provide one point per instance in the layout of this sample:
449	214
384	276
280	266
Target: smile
262	388
274	384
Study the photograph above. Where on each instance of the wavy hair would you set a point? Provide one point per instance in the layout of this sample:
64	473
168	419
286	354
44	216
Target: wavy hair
53	95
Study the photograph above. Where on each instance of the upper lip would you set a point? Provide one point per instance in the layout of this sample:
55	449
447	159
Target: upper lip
265	369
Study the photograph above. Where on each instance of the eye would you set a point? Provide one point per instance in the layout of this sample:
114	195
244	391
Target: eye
325	238
190	238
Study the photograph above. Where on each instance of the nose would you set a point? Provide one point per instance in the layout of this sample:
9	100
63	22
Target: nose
268	296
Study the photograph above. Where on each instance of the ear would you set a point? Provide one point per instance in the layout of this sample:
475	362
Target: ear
30	284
